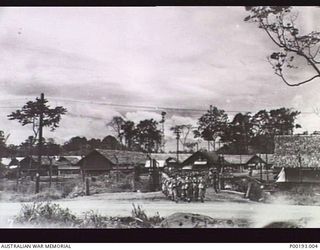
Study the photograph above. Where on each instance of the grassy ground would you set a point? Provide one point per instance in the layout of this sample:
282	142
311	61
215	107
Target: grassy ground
291	198
24	191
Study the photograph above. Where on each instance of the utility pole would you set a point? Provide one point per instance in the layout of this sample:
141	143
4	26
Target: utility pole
177	132
261	177
267	168
246	146
39	143
118	169
163	114
300	165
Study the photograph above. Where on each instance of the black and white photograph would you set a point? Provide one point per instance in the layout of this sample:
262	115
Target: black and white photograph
160	117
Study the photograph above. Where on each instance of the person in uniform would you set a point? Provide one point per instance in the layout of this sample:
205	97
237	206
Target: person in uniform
163	186
202	189
185	189
179	187
174	190
250	171
189	189
170	188
215	181
195	188
210	177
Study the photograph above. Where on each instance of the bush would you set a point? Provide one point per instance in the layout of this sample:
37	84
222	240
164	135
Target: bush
68	186
137	212
143	220
94	220
44	213
51	214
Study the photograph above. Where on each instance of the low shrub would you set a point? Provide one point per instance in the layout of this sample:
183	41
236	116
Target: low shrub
45	196
94	220
44	213
143	220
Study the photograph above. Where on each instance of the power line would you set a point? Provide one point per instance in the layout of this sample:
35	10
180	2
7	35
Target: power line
143	107
10	107
156	108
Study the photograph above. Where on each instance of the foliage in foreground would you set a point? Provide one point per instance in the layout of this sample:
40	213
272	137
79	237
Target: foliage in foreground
46	213
53	215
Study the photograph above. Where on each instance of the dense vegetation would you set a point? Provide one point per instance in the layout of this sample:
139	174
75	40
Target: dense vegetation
241	133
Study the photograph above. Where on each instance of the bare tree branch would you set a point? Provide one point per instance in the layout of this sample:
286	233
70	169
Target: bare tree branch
296	84
279	24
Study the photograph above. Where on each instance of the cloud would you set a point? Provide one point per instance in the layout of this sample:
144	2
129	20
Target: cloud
164	57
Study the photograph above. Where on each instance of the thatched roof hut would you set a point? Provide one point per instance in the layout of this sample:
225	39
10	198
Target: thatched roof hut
105	160
297	151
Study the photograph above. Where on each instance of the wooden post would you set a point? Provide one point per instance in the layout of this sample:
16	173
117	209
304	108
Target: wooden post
155	175
177	132
83	175
299	169
248	190
151	183
117	169
37	183
50	171
260	171
18	176
133	180
221	179
267	168
87	186
83	171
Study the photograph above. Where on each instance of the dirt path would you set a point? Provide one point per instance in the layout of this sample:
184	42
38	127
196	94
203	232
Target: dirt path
120	204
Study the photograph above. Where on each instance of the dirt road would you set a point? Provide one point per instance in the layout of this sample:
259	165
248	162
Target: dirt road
120	204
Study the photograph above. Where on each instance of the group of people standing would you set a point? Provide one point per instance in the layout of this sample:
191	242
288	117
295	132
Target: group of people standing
184	188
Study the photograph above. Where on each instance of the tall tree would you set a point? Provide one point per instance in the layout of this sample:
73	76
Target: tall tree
185	130
283	121
267	124
116	124
295	49
239	132
94	143
129	132
27	147
77	143
40	115
13	150
51	148
212	124
2	144
190	147
110	142
148	135
30	113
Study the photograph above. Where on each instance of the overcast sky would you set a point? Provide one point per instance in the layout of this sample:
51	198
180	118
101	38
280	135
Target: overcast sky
181	57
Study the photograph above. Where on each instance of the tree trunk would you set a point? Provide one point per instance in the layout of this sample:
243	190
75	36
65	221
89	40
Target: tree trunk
37	183
87	186
50	175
